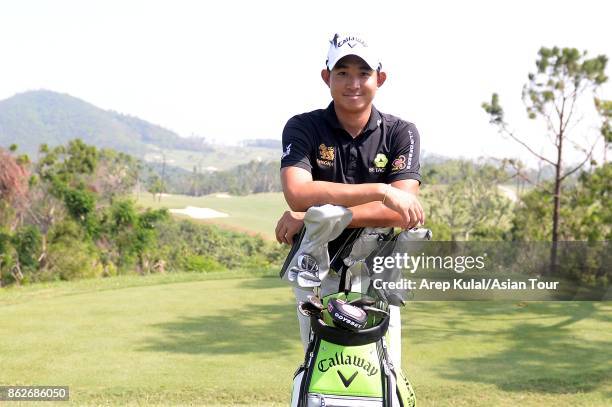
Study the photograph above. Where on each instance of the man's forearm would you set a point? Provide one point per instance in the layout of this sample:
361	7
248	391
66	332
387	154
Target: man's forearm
374	214
312	193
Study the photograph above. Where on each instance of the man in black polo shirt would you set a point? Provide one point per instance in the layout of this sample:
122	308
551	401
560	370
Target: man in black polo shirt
350	154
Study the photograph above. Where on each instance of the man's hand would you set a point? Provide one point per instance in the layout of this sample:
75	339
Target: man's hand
407	205
288	225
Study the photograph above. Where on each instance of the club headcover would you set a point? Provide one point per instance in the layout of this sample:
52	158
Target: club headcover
369	240
406	241
322	224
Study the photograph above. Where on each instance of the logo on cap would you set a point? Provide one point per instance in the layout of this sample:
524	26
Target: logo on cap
355	45
351	41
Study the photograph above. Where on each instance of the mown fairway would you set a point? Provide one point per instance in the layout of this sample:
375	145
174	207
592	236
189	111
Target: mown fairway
254	214
223	339
257	213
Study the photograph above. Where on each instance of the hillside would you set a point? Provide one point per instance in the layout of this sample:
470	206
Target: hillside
31	118
42	116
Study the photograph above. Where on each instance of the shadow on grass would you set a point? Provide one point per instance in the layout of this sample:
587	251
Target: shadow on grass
539	348
244	328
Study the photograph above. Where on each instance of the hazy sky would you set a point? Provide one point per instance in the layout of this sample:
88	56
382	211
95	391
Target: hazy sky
229	70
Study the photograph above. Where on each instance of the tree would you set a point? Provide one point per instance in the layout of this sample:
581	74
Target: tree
563	76
116	174
586	215
13	186
592	217
472	205
68	165
155	186
604	108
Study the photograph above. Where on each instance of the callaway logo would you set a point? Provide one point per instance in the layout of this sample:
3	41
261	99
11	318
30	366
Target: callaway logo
347	382
350	41
340	359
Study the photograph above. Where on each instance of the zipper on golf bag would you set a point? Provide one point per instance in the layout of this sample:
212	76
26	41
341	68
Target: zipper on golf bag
312	350
384	370
392	390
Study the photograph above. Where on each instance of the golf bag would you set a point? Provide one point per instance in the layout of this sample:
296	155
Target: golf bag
345	368
347	361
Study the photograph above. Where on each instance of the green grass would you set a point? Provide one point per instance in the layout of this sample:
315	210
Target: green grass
227	339
257	213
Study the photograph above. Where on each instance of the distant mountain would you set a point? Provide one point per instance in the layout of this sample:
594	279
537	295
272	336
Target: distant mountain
31	118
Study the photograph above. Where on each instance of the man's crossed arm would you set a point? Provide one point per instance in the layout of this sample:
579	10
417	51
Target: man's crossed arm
401	207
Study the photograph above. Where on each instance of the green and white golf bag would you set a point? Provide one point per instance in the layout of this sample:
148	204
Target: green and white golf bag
344	367
349	368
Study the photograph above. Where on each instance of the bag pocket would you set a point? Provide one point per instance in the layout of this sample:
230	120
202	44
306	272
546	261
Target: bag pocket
405	392
320	400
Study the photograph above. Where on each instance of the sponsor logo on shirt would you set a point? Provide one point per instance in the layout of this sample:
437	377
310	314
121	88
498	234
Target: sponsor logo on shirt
380	163
399	163
286	152
326	156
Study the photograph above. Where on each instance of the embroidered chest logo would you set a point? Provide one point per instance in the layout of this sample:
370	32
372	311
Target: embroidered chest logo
326	155
399	163
380	162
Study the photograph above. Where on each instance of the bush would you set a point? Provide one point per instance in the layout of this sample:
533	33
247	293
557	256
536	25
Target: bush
28	244
73	260
179	240
79	202
8	258
200	264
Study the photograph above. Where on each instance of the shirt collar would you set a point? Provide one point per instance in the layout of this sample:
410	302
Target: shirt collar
332	119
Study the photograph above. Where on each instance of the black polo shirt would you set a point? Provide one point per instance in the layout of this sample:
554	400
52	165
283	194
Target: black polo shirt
386	151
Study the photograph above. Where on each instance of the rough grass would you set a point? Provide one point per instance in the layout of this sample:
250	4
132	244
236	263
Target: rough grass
226	339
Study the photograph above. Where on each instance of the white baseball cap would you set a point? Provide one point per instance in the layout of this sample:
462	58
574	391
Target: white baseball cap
344	44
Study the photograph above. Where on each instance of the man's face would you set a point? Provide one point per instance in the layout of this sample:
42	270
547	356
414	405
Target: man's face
353	84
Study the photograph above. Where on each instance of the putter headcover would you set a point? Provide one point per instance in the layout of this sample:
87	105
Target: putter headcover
347	316
310	263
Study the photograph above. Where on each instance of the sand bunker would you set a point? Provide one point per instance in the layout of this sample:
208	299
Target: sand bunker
199	213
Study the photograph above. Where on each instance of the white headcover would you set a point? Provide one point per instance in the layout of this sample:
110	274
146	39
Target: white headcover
323	224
